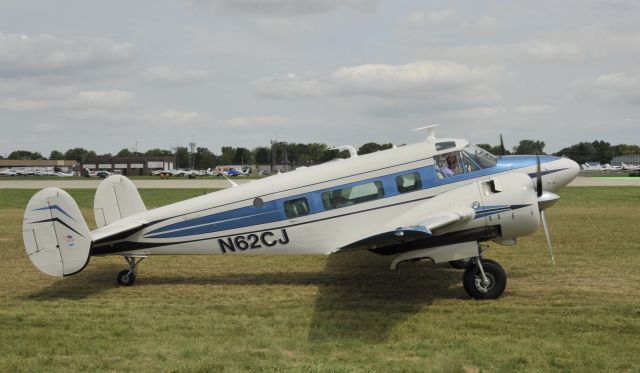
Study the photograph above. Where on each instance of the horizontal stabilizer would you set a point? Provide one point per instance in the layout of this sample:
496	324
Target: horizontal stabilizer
55	234
116	198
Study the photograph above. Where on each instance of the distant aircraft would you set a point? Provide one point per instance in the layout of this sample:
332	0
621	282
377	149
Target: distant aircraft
609	167
627	167
591	166
394	202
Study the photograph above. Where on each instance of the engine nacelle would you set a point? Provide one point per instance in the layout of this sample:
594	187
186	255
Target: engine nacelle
510	201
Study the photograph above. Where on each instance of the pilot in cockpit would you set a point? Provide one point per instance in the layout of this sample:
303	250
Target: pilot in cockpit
448	165
444	168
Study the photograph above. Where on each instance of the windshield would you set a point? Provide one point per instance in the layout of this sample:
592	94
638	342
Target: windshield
479	156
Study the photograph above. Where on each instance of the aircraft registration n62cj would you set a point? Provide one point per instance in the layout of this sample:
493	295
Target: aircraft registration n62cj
439	199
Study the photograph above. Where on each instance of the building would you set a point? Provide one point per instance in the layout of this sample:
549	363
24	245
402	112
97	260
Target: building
130	166
631	160
63	165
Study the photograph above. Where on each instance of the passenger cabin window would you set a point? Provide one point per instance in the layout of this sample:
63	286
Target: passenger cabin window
296	207
352	195
409	182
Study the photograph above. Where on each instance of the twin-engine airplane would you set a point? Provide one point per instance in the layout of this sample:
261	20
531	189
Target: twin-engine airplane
439	199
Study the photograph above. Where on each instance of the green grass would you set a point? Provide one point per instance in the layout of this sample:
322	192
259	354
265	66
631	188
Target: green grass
341	313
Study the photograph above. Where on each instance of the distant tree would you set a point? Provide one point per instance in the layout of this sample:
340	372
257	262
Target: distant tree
597	151
78	154
56	155
204	159
242	156
372	147
158	153
262	155
105	155
124	153
182	157
24	155
495	150
529	147
228	153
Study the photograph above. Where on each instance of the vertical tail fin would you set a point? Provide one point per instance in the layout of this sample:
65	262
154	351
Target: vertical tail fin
56	236
116	198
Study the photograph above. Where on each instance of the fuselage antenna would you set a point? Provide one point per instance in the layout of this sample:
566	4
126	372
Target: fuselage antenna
431	131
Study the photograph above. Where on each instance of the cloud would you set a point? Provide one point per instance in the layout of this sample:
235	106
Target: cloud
179	117
285	8
293	85
43	54
165	74
258	121
534	109
432	18
61	98
477	112
413	77
484	24
422	83
615	87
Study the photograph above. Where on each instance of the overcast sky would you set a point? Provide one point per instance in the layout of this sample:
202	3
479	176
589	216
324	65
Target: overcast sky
104	75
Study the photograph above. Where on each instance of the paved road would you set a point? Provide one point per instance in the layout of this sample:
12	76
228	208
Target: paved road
216	184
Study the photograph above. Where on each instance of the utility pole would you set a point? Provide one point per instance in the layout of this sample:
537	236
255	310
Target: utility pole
192	146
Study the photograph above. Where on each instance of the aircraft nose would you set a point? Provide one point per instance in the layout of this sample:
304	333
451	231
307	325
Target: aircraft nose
569	173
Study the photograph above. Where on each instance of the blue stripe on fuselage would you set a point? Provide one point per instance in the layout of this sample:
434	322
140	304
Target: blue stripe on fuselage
273	211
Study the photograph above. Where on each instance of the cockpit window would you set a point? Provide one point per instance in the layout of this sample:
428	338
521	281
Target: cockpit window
479	158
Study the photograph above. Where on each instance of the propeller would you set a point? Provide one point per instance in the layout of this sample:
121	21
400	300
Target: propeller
545	199
502	151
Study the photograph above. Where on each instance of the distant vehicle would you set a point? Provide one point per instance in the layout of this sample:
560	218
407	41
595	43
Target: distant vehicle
8	172
102	174
396	202
64	174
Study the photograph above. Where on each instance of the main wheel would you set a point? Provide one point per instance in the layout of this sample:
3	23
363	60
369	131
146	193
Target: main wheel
497	277
126	277
461	264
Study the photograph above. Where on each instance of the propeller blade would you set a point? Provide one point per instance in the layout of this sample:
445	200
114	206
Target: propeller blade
546	233
538	176
502	151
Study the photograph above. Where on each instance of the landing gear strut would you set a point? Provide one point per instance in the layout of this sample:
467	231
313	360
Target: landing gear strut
484	279
127	277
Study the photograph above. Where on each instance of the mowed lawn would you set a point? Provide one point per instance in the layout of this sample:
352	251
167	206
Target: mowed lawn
341	313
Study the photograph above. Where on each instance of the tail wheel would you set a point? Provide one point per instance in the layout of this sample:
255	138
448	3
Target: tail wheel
126	277
477	288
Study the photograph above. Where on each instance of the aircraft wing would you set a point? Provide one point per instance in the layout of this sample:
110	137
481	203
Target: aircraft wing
428	226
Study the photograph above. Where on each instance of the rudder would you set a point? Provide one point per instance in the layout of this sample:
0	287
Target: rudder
116	198
56	236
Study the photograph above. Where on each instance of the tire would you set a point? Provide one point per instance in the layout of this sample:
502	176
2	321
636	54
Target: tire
495	274
461	264
126	277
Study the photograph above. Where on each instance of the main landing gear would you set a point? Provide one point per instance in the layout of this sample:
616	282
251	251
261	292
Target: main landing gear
127	277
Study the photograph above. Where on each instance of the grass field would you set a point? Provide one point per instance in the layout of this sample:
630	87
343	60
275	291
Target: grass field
341	313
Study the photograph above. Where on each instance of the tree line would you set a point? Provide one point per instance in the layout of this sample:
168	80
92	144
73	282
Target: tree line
300	154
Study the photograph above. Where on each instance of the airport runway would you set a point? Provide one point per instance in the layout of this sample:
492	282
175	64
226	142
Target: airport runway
8	183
